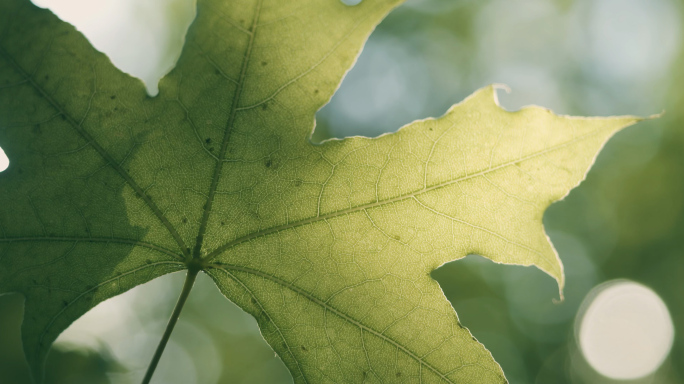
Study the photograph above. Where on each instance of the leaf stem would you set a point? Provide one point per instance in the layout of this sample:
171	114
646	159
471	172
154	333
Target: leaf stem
187	286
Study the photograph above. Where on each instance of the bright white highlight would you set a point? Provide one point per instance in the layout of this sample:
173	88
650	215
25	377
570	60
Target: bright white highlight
4	161
624	330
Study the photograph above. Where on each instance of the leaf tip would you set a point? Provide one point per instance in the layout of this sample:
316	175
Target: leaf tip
654	116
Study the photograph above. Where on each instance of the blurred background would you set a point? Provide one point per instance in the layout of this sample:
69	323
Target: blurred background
620	234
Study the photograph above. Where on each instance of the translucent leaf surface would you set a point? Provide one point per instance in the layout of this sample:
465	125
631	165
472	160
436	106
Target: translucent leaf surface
329	246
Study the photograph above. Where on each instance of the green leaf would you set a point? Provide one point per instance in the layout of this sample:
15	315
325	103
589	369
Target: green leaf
330	246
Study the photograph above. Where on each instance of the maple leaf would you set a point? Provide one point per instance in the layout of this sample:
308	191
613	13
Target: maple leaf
330	246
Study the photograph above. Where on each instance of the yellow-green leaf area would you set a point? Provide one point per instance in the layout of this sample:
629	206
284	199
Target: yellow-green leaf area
330	246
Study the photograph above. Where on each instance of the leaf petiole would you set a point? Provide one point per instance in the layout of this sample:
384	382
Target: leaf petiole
187	286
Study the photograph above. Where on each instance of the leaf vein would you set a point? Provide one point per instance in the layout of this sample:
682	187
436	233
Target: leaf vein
137	243
226	138
54	318
100	150
223	267
258	302
265	232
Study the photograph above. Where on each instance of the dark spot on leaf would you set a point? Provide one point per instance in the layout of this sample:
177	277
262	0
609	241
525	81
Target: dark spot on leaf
304	349
398	374
297	183
396	237
116	108
66	303
47	77
112	97
217	72
263	63
473	337
208	140
365	374
223	223
264	106
460	325
269	163
148	261
430	129
185	220
315	90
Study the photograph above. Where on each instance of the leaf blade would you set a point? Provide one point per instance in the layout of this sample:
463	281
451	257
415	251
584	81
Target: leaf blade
412	232
346	232
76	227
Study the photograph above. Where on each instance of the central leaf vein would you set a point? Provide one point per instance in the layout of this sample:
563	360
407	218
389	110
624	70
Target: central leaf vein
413	195
222	267
226	136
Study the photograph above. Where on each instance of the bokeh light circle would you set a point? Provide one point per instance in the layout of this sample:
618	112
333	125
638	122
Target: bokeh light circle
624	330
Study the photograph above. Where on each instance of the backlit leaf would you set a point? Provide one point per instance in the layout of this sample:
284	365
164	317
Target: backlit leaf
330	246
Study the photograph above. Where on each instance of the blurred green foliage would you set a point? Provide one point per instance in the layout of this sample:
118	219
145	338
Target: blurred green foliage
625	221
